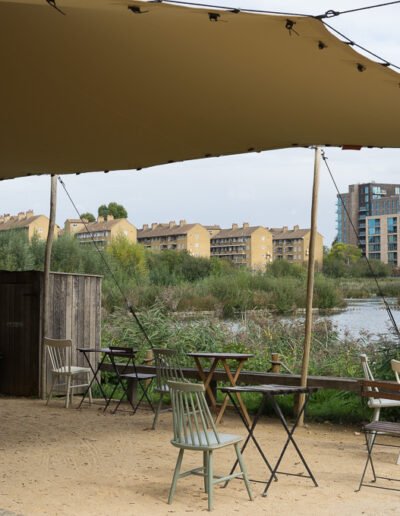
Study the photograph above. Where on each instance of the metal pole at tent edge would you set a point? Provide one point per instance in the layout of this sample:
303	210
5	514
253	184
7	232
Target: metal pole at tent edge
46	281
310	280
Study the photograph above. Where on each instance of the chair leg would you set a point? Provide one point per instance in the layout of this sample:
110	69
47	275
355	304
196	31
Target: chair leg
243	469
90	389
205	470
68	392
210	478
176	476
53	379
370	441
375	417
158	410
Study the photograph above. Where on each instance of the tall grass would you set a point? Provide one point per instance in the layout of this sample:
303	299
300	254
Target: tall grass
261	335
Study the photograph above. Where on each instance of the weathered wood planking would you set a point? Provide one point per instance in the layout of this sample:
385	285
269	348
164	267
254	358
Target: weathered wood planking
74	311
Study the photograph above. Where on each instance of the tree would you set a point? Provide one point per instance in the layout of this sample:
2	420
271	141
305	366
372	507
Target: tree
88	216
15	253
129	257
114	209
346	252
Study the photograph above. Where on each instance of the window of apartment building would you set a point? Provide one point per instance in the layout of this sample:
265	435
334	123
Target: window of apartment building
392	258
374	247
374	239
392	224
374	256
374	226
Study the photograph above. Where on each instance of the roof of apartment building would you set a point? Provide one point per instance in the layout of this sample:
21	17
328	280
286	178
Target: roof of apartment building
214	226
236	232
286	233
100	224
160	229
22	220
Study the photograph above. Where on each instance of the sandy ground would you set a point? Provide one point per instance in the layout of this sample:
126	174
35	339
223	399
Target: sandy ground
71	462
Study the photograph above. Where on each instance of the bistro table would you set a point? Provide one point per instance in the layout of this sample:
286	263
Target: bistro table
240	358
269	393
86	353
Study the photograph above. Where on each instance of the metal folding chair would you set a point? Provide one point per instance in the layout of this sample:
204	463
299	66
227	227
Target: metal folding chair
143	380
375	429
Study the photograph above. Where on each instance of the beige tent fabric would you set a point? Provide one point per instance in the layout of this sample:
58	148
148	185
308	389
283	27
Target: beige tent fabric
103	88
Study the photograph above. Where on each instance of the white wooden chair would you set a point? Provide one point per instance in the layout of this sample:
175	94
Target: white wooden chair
375	403
194	429
396	369
60	353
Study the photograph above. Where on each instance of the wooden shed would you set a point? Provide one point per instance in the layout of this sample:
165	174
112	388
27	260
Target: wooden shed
74	312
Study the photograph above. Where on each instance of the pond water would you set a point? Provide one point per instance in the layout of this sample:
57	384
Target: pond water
366	316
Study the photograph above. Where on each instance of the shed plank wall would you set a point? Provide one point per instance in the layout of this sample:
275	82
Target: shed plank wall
74	311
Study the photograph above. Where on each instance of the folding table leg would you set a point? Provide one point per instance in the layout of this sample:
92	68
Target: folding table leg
250	430
290	433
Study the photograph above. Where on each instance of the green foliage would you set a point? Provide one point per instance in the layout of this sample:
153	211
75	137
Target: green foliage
345	260
15	253
261	335
114	209
130	257
280	268
88	216
174	267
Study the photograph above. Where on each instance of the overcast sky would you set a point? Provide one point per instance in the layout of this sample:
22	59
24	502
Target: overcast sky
271	188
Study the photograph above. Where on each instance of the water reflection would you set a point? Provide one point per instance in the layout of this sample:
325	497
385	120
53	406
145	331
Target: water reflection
366	316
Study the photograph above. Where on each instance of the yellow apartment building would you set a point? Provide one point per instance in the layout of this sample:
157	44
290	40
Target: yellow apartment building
27	222
193	238
293	244
249	246
101	231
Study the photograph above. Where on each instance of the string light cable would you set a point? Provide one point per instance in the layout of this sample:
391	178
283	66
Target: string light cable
107	265
380	292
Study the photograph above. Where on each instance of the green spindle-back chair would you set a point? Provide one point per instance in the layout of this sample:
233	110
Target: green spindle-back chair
167	368
194	429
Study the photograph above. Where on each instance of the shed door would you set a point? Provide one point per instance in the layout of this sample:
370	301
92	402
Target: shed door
19	339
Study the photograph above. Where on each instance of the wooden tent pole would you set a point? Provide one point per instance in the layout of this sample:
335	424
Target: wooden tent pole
46	279
310	279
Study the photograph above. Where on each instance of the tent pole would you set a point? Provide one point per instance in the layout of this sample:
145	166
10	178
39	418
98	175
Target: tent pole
46	279
310	279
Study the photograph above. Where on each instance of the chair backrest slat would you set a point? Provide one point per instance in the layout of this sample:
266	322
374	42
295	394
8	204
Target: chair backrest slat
380	389
367	371
193	423
167	366
60	353
396	369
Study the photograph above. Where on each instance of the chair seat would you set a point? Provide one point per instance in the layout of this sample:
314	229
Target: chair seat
138	376
72	370
381	403
386	427
225	440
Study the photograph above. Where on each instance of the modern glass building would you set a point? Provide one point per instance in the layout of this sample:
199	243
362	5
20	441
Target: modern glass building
363	201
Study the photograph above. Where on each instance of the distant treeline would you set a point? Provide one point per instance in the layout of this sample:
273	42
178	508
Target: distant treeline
181	282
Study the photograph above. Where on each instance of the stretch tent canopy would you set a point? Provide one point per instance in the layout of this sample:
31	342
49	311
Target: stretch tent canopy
98	86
